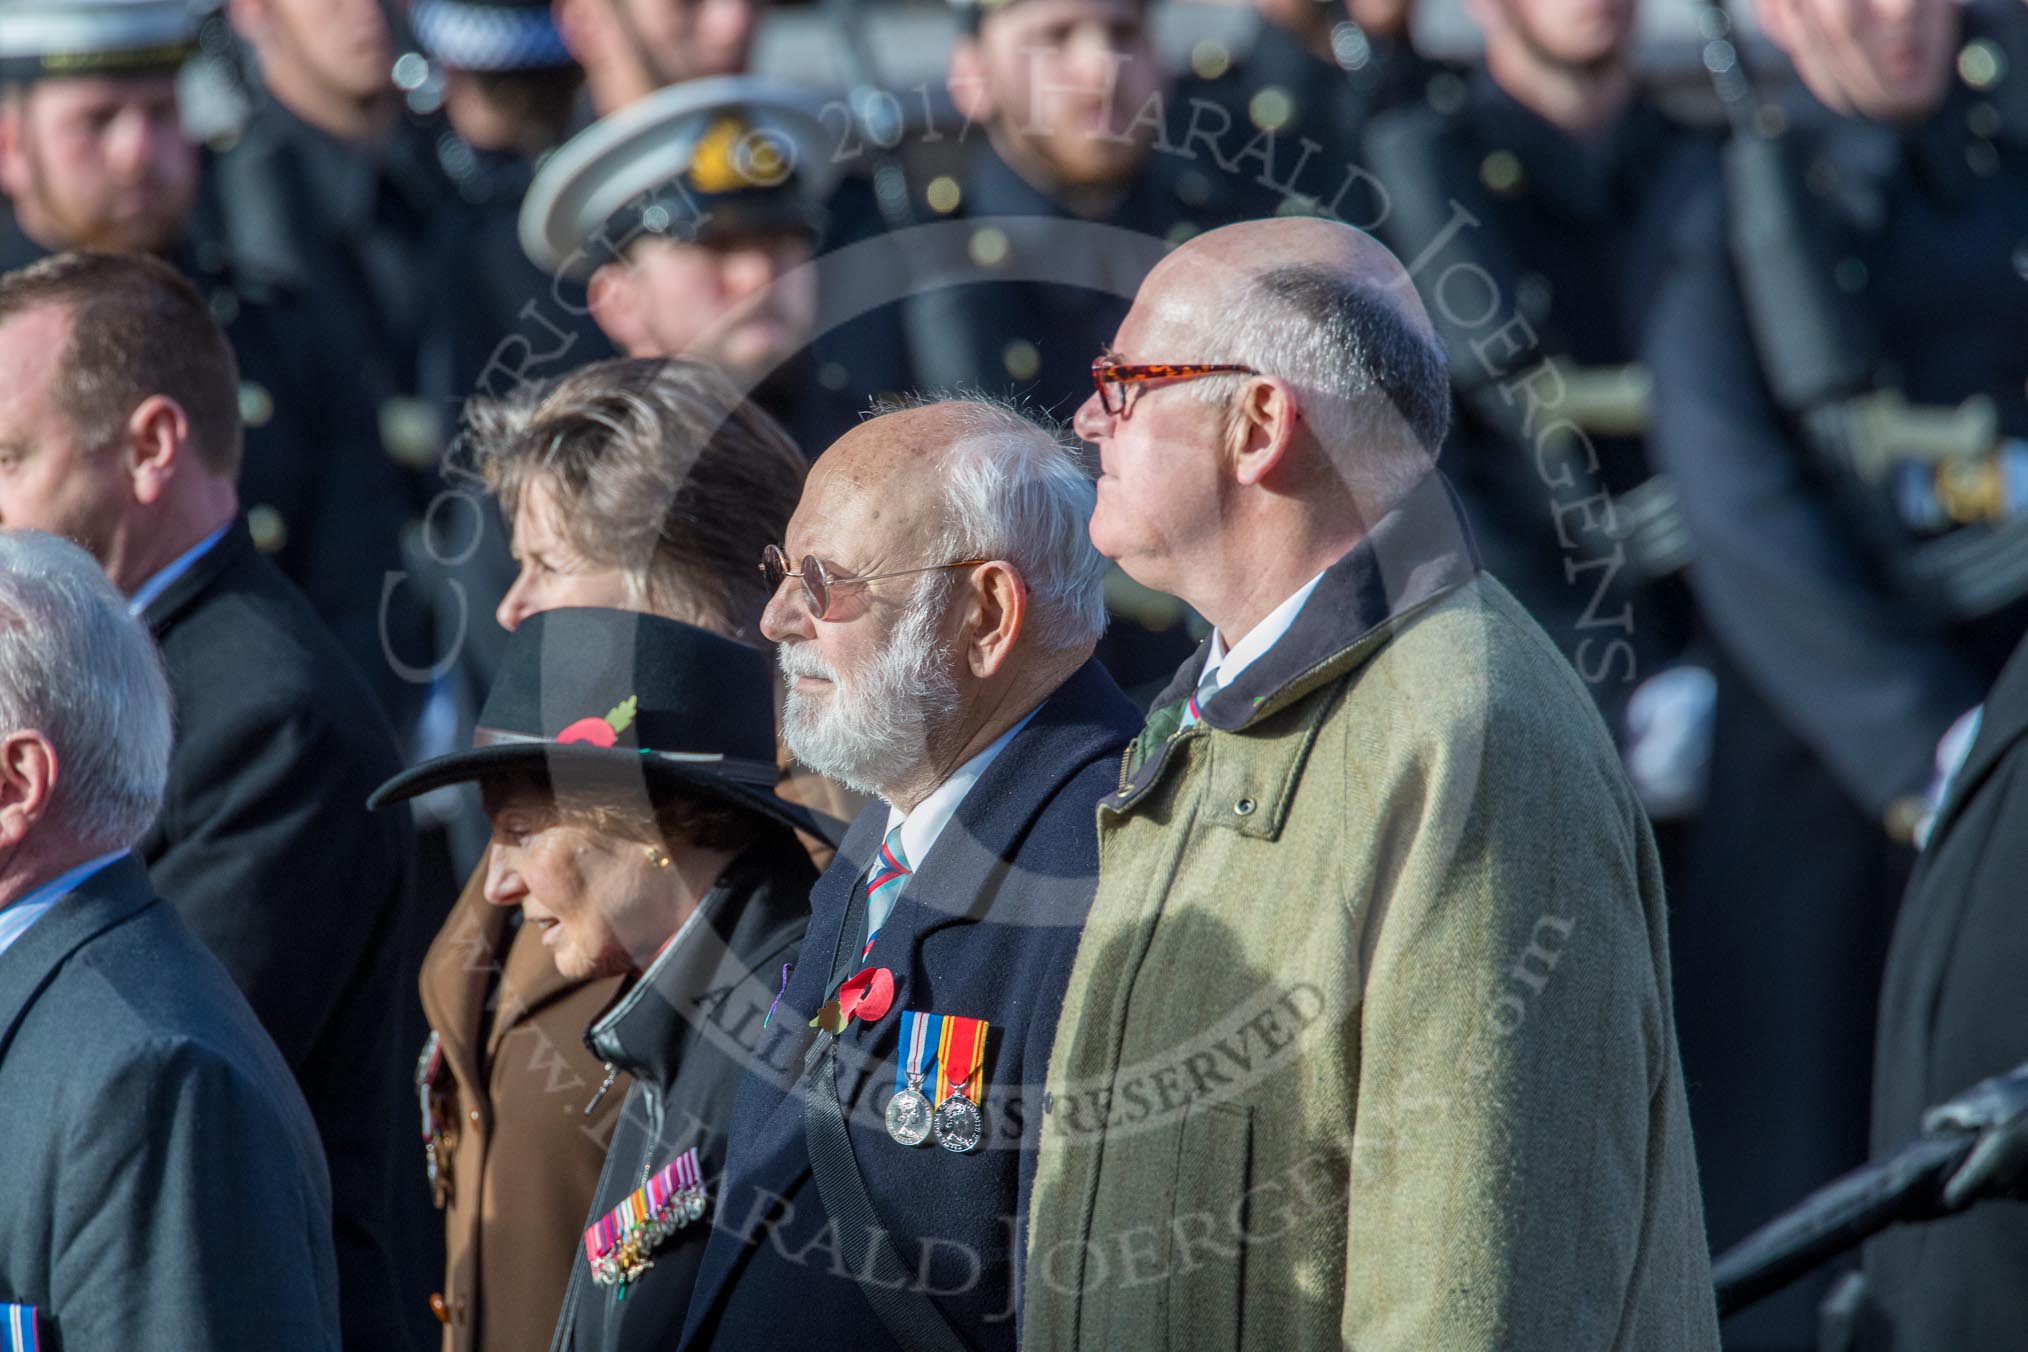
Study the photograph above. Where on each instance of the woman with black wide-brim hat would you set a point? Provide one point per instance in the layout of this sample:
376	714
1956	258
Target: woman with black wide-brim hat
627	764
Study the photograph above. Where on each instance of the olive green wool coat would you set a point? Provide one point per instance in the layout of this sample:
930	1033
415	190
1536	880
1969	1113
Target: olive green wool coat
1369	1038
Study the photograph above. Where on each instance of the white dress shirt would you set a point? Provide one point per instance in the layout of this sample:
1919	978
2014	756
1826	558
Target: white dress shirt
1228	663
920	828
17	919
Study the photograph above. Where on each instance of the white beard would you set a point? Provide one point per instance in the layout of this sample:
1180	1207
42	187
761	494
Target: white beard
873	732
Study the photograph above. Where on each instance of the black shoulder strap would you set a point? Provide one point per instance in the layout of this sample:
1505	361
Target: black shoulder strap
888	1284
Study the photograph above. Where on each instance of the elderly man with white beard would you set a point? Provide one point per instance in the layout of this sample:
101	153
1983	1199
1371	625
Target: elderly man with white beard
936	605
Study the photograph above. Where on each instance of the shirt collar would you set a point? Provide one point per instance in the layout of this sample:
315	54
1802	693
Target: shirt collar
1228	663
145	594
16	919
920	828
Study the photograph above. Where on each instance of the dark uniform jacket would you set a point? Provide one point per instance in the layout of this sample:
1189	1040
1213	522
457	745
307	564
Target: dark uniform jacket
345	223
683	1032
1953	1010
1047	289
164	1188
1927	226
267	851
987	927
1565	235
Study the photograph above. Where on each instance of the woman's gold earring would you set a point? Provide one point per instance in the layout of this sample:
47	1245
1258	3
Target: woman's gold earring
657	858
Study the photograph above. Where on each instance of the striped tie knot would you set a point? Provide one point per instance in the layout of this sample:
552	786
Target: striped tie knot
883	889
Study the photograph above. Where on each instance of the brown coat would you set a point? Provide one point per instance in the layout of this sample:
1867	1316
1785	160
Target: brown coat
524	1161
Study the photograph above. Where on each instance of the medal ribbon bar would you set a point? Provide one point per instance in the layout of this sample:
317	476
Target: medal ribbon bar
617	1244
961	1057
919	1033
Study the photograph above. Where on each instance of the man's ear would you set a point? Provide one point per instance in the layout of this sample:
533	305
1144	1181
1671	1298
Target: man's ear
157	440
999	612
28	774
1262	428
965	78
614	298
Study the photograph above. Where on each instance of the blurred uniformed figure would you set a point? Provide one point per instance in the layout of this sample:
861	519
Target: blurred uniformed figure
1309	73
92	155
1076	175
331	185
694	217
631	48
1532	191
1841	396
496	320
1070	187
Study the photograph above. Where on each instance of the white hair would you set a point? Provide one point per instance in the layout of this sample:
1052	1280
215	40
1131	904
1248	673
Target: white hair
1015	488
1375	390
76	667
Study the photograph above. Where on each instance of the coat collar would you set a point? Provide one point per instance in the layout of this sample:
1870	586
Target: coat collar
102	901
2001	727
1583	179
1420	551
753	911
180	595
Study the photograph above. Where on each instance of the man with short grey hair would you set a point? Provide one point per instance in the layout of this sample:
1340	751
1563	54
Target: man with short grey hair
1368	1042
160	1165
936	607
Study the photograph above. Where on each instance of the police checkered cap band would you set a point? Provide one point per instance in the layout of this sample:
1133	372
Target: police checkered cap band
467	36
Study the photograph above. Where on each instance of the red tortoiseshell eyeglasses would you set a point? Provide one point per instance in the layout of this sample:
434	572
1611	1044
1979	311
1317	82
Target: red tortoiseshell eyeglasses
1116	381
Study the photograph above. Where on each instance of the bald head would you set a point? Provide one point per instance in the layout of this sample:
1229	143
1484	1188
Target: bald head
881	476
1336	412
1216	270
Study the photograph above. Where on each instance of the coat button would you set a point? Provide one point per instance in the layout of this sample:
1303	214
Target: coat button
460	1308
473	1115
1244	807
438	1308
1048	1102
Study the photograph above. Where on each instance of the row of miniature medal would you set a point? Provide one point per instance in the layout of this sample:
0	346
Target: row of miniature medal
618	1244
946	1051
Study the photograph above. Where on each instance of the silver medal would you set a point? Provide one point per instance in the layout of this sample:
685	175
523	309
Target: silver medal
958	1124
908	1116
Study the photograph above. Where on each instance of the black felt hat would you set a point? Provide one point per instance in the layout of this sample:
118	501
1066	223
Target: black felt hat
589	697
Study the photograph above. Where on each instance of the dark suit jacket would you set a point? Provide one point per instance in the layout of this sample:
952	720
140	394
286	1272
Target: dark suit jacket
267	851
987	927
163	1185
1953	1010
